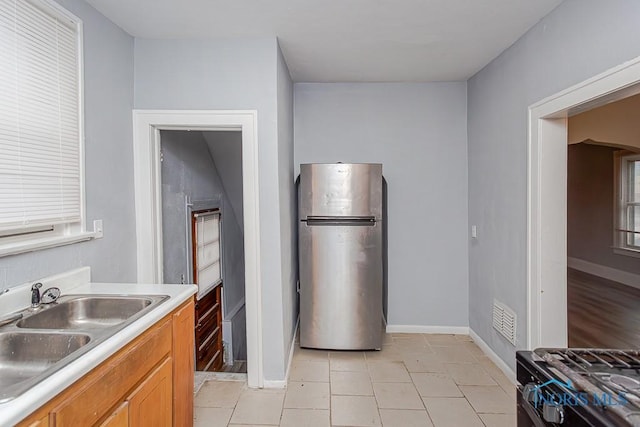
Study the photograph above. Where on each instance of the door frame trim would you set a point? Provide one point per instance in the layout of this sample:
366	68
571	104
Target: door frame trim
147	125
547	197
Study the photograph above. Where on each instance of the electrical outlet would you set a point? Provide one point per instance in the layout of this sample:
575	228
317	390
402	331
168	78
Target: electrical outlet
97	228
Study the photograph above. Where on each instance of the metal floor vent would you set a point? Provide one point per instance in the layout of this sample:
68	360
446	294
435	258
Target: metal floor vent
504	321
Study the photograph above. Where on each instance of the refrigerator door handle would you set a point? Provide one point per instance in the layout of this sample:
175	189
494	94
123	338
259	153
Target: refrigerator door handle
367	221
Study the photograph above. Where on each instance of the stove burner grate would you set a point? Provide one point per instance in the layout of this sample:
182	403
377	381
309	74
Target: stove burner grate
597	370
587	358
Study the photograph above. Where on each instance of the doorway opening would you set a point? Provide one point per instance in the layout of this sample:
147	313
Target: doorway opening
603	226
148	125
547	197
202	230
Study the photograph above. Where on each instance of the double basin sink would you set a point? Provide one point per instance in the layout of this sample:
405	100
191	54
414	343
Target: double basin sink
46	340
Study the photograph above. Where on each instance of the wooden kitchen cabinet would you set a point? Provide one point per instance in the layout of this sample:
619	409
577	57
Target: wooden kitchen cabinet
183	365
140	385
150	403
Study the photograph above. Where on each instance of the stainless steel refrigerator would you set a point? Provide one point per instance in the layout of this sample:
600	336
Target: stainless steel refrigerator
340	255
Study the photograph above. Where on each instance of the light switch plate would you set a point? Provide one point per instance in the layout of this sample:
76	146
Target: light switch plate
474	231
97	228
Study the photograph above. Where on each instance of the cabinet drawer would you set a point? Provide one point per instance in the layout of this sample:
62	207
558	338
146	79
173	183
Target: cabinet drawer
96	394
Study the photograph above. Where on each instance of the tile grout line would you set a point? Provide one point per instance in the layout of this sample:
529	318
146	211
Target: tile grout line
397	351
374	392
424	405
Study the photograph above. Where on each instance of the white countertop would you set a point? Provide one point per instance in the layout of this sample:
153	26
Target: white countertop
19	408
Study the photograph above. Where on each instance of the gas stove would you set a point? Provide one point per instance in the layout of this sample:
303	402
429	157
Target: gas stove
578	387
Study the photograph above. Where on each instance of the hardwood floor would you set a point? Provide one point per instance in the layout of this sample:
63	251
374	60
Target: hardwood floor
602	313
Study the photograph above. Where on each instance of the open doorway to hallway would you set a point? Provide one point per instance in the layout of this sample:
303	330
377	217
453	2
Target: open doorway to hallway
203	238
603	226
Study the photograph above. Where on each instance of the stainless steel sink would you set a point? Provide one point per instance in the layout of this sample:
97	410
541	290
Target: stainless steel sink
88	312
46	340
25	355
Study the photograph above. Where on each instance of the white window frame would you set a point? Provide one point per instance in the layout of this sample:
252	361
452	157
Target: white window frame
621	203
43	237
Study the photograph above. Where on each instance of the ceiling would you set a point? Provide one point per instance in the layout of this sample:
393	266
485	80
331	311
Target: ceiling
348	40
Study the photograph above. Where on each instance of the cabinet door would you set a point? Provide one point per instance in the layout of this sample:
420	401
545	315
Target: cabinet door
183	361
150	404
119	418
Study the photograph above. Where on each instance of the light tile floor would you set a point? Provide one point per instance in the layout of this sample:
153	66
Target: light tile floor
416	380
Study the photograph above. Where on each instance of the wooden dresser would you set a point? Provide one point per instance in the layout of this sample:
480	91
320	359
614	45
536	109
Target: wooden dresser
208	330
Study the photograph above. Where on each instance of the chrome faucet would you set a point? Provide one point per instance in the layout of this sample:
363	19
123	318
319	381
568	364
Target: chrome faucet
48	296
35	295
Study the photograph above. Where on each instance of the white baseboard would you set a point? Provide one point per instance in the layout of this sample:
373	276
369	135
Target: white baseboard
292	349
624	277
283	383
422	329
275	383
506	369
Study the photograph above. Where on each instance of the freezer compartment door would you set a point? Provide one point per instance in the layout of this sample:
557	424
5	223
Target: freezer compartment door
340	189
341	286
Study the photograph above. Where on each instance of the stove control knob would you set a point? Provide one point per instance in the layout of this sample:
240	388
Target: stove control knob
553	413
529	392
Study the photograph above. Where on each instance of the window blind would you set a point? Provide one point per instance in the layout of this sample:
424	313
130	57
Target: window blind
40	165
208	249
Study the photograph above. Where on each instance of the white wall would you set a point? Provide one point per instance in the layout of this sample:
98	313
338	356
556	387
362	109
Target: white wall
288	210
581	38
418	132
232	74
108	96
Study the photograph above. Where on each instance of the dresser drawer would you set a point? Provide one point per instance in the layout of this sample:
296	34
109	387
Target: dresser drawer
209	349
206	324
209	300
208	331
